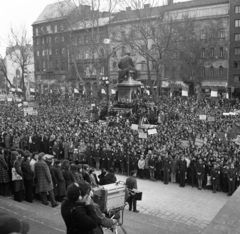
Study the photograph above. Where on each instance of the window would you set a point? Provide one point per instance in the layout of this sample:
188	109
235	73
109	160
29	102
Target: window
123	35
143	66
203	36
221	52
43	41
36	31
236	78
203	72
102	70
114	52
203	53
86	39
237	9
237	23
43	52
50	51
154	66
56	51
74	41
56	39
86	55
237	37
37	41
55	28
50	64
211	71
220	71
236	64
212	34
61	27
62	39
63	65
212	52
46	51
37	66
50	40
38	53
43	65
79	40
237	50
87	71
49	30
94	71
63	51
221	33
56	64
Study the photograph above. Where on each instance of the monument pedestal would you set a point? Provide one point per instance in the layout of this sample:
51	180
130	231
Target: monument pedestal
126	88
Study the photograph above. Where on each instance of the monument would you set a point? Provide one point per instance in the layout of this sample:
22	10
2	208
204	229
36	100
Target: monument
127	85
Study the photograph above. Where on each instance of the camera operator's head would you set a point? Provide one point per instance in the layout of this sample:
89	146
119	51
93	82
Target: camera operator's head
73	192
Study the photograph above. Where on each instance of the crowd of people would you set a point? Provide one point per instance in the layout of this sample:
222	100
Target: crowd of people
63	129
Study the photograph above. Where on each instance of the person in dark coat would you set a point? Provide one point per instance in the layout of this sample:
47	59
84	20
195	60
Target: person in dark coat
67	174
4	175
61	187
79	215
215	175
102	176
54	180
110	178
28	176
85	174
44	182
131	183
182	169
18	185
200	173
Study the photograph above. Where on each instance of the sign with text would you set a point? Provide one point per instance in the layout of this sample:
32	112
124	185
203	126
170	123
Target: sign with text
202	117
134	127
199	142
211	119
142	135
152	131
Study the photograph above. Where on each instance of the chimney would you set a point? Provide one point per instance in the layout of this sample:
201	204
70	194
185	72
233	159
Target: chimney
128	8
170	2
146	6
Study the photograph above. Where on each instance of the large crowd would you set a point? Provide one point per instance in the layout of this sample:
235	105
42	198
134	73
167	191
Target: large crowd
184	149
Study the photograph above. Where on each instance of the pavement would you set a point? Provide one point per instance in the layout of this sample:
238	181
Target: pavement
164	209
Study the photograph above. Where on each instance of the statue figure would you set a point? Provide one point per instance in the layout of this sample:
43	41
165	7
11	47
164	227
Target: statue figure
126	64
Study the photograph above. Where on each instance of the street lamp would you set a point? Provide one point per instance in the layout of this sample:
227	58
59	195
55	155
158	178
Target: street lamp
105	82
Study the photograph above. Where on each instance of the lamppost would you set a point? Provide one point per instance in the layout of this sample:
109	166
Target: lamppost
105	83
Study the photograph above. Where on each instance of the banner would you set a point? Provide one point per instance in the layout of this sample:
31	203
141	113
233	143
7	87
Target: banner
25	103
134	127
214	93
9	99
202	117
199	142
211	119
184	93
152	131
19	105
142	135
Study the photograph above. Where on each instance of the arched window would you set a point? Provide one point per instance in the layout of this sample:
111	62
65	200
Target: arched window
114	66
86	54
87	71
211	71
94	72
220	71
102	70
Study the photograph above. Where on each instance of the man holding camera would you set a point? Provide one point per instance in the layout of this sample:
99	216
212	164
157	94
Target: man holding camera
131	183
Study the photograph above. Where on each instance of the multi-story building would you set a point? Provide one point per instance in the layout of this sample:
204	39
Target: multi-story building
215	32
234	46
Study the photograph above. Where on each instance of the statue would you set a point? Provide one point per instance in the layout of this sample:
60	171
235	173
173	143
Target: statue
126	64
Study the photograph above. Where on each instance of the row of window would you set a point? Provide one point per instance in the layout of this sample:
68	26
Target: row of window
48	64
236	78
212	72
48	29
237	23
237	9
212	53
47	52
48	40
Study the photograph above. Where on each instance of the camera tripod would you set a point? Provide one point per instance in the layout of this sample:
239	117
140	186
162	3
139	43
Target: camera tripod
116	213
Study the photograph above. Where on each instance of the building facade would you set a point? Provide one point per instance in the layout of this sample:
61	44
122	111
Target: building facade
215	32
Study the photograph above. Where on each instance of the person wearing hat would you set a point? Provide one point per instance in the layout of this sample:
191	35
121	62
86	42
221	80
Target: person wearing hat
10	225
215	174
28	176
77	211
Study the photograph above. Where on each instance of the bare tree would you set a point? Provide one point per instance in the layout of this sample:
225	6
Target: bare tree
20	51
3	70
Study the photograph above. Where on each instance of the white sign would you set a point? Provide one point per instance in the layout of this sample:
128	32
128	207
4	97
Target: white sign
19	105
134	127
25	103
9	99
184	93
152	131
202	117
142	135
214	93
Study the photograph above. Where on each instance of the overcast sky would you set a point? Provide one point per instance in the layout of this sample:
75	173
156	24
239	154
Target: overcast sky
15	13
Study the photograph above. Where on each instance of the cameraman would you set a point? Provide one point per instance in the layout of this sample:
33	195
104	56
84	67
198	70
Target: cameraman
78	213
